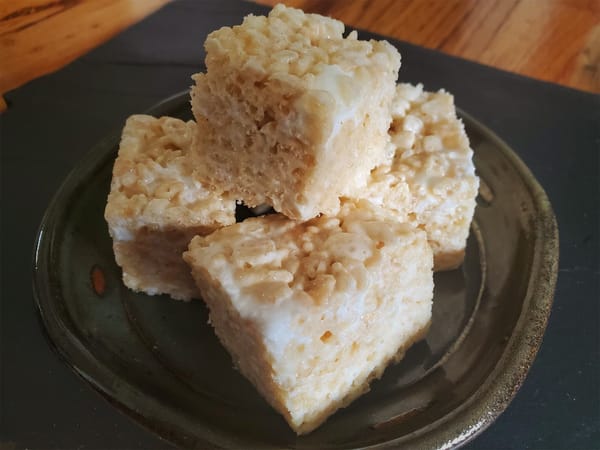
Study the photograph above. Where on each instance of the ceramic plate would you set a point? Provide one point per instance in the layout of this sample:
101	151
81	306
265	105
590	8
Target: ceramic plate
159	361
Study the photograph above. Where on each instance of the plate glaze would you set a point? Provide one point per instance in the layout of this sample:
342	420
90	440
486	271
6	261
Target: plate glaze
159	361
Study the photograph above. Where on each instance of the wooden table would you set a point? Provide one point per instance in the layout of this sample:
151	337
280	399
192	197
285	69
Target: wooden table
552	40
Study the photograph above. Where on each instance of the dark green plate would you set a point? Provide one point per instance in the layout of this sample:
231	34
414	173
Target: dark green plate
157	359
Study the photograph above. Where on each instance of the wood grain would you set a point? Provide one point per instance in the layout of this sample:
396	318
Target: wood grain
552	40
40	36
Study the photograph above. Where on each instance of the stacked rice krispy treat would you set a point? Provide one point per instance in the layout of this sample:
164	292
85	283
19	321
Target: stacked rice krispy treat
293	113
156	205
431	182
373	183
305	308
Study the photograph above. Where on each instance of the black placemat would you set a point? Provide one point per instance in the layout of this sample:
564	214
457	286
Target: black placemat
54	120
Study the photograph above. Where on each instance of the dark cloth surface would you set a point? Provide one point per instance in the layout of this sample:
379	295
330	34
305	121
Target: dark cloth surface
51	122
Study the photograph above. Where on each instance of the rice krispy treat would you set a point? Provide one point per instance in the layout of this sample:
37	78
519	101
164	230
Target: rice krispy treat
431	182
305	308
295	114
156	205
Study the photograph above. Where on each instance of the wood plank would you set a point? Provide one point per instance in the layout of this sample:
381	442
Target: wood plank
14	20
39	37
553	40
554	43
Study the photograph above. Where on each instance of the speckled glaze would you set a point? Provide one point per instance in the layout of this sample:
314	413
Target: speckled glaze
158	360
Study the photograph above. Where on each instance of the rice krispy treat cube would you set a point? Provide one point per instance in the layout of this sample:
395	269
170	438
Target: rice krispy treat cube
431	182
156	205
295	114
311	312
